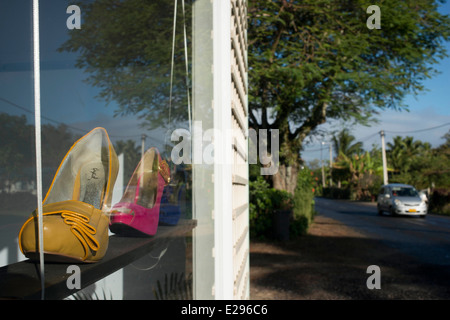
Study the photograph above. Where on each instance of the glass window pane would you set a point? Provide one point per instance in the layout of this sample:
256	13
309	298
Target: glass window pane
17	154
108	64
123	67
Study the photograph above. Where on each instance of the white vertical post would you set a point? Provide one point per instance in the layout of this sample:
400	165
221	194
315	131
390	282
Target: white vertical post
321	160
223	244
331	165
203	261
37	121
383	154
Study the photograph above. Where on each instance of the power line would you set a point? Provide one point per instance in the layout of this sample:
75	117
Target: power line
58	122
43	117
420	130
368	137
377	133
313	150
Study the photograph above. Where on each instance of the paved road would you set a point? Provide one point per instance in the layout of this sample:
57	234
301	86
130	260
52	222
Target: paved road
427	240
331	261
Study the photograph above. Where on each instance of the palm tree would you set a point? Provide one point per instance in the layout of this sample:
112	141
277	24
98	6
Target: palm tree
345	148
363	173
402	150
343	143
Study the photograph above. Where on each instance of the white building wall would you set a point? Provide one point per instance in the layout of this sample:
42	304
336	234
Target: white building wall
239	124
220	190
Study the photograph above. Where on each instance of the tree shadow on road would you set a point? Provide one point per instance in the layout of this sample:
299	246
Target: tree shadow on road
320	266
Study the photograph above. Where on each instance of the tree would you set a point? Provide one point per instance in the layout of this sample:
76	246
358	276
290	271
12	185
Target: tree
56	141
314	60
430	169
16	150
125	47
344	143
403	152
363	173
344	148
132	156
446	145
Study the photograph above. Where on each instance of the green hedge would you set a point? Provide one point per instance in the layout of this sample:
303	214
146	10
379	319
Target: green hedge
336	193
265	200
260	206
303	204
439	201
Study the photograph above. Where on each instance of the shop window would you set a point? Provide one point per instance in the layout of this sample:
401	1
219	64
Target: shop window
114	76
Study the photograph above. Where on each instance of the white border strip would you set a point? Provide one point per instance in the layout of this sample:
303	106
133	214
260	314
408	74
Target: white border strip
37	120
223	199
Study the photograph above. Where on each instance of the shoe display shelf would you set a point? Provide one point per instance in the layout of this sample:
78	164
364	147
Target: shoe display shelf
22	280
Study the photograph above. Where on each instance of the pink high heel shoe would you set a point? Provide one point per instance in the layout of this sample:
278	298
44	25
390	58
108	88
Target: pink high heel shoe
137	213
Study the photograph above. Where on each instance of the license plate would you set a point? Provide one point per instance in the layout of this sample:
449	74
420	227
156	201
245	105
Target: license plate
412	210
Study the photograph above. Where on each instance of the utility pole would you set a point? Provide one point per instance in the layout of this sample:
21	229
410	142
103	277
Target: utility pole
323	170
143	136
142	159
383	153
331	161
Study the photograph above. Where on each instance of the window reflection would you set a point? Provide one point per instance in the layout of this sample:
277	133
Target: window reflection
17	159
112	64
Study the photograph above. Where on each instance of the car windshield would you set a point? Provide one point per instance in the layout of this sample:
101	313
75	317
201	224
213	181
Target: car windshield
404	192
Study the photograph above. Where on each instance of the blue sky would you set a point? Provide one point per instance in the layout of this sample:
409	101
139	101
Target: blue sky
427	110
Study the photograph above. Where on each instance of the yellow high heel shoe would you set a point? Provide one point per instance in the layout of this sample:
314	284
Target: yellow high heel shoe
77	204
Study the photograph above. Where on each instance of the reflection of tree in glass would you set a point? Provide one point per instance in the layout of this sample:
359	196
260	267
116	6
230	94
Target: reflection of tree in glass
17	150
132	156
126	48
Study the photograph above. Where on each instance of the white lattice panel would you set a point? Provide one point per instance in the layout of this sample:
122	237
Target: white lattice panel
239	125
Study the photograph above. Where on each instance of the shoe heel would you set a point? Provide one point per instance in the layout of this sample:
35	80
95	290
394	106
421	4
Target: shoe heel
139	207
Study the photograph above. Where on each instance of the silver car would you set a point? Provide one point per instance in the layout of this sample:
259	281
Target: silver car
401	199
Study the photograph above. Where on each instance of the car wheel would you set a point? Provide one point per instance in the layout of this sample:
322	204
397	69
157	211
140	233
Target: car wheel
380	212
423	216
392	212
